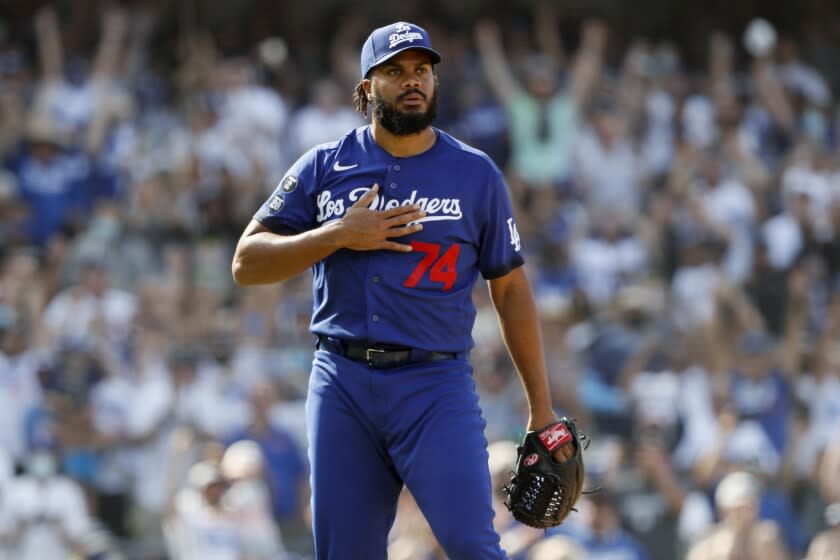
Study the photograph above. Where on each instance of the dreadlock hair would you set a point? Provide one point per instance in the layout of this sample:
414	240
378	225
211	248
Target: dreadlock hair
360	100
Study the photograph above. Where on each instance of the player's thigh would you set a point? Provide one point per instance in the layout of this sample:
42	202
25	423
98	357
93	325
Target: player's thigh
354	485
442	457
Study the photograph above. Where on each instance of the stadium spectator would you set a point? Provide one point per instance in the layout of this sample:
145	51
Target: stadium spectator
607	539
740	534
285	466
44	512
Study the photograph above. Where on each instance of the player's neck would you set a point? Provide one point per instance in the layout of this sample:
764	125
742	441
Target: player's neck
403	146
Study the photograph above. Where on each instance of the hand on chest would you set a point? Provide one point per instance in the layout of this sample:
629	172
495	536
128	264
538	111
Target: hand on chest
442	251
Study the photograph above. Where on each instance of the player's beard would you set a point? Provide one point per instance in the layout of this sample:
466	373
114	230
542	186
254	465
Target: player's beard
401	123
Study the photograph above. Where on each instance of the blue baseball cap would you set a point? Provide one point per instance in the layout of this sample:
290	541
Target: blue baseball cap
388	41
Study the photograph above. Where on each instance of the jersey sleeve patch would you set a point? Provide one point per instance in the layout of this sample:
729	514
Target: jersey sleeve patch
501	247
291	207
277	203
289	183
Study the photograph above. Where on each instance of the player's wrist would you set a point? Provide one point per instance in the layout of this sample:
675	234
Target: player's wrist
539	419
332	236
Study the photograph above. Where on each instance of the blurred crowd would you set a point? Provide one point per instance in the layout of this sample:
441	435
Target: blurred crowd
681	225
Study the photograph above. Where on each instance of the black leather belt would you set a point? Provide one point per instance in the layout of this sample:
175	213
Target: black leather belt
381	356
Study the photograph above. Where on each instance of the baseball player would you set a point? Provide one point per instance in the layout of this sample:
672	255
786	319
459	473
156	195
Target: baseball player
396	220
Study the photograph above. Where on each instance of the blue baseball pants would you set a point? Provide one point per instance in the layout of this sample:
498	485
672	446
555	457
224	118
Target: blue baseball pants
373	430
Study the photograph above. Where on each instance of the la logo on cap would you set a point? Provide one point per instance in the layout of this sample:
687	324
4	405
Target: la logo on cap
402	33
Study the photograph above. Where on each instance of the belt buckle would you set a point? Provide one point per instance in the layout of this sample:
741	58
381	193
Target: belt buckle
369	357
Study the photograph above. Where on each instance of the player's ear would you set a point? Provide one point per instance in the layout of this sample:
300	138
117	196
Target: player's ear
366	87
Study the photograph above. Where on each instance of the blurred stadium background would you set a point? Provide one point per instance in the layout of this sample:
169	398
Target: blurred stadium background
676	172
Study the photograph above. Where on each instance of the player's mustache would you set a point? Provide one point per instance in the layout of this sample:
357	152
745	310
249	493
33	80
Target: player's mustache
406	93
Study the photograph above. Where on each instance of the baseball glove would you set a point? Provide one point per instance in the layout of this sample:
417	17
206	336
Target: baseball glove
543	491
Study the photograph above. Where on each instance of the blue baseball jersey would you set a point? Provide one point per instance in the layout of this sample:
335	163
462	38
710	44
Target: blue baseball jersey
420	299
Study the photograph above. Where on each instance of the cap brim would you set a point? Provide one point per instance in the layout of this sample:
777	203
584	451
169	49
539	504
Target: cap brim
436	58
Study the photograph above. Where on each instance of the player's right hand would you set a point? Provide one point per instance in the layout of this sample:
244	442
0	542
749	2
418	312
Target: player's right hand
363	229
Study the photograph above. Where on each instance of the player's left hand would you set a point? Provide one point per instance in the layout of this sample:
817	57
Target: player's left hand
538	422
545	486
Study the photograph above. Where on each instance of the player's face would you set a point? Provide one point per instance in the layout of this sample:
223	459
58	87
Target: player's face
402	93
